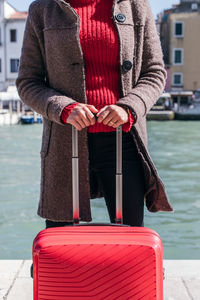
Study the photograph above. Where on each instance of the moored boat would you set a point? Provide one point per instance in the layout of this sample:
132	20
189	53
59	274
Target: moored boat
27	119
164	115
8	119
191	113
31	118
162	110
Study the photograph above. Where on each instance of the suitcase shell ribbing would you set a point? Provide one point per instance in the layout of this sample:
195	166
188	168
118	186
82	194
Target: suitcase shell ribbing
98	262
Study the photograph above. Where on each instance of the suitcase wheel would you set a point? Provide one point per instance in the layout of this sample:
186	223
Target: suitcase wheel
31	271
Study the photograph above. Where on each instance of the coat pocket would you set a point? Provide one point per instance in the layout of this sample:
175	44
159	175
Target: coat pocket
61	46
46	136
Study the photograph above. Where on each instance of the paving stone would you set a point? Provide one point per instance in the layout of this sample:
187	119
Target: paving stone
5	283
193	285
22	290
25	270
9	266
182	268
8	271
174	289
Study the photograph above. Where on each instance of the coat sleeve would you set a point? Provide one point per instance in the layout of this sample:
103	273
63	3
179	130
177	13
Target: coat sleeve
31	84
151	82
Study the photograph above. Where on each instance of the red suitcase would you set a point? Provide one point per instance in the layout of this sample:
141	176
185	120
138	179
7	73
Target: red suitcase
102	261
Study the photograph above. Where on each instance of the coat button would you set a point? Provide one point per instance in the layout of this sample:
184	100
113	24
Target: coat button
120	18
127	65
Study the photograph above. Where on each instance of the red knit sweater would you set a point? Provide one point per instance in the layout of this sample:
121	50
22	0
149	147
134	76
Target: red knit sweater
100	46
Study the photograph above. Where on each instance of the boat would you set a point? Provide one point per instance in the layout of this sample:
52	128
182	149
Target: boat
13	111
31	118
164	115
27	119
162	110
39	119
181	99
186	105
191	113
8	119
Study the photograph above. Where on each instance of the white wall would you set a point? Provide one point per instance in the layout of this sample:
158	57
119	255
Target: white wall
2	75
14	48
9	50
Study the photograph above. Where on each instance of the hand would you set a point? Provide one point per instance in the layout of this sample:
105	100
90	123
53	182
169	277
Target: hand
82	116
112	115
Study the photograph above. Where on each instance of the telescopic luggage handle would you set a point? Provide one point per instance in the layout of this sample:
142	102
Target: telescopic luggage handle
75	175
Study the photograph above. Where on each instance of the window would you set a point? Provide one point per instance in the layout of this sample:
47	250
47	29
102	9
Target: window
14	64
177	79
179	29
178	56
194	6
13	35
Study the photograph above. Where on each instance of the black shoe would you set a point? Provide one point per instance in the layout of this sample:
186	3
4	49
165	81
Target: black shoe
31	271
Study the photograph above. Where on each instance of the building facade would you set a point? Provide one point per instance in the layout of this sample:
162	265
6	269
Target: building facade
12	25
180	39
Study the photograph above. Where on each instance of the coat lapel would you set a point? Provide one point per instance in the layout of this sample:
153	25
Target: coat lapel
71	13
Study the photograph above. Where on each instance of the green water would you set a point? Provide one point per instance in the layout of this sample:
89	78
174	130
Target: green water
175	148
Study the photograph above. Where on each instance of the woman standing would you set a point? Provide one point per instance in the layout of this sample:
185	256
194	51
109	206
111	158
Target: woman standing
86	57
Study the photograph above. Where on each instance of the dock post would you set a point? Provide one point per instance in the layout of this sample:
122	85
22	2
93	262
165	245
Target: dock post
10	111
179	103
35	116
23	109
18	110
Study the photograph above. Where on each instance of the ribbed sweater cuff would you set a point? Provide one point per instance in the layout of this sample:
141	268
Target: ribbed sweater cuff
127	126
68	109
66	112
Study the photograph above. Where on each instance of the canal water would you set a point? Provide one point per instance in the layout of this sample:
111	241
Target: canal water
175	149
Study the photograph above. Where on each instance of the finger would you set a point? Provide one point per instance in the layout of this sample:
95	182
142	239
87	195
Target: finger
80	121
119	118
101	110
117	124
77	125
110	118
92	108
90	116
82	118
103	115
112	123
116	118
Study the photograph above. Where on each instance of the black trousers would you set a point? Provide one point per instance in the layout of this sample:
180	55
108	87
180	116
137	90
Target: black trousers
102	163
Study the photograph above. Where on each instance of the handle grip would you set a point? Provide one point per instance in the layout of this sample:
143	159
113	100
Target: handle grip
119	215
75	175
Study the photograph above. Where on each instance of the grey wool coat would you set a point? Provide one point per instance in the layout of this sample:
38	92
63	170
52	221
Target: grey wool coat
52	76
